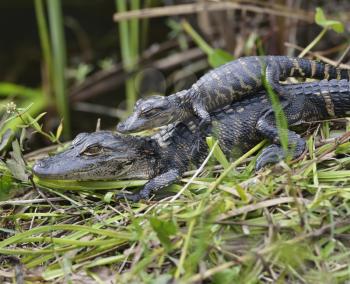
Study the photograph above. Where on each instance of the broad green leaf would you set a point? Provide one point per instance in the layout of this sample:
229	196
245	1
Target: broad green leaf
9	89
163	229
219	57
321	20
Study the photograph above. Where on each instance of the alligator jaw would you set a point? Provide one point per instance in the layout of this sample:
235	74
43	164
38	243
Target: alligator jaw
43	173
131	124
101	155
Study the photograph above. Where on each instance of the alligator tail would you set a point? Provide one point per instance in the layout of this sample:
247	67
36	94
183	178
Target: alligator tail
306	68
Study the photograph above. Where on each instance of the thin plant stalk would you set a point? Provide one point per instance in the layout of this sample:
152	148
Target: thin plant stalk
134	32
124	36
44	42
144	27
129	43
59	61
197	38
314	42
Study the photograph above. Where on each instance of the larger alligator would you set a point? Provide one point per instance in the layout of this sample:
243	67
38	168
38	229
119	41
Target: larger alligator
224	85
164	157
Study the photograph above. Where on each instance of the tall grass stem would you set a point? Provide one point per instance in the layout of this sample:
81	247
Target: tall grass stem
44	42
129	45
59	61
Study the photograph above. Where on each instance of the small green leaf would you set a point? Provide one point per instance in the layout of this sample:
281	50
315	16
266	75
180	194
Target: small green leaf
6	139
328	249
34	122
59	131
16	164
5	185
40	116
321	20
343	148
22	138
163	229
219	57
107	198
242	193
227	276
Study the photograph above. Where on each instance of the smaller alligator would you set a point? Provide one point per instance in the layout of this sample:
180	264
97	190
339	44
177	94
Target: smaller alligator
224	85
164	157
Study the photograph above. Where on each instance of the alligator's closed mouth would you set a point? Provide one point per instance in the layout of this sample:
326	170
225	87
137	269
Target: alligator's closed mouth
44	173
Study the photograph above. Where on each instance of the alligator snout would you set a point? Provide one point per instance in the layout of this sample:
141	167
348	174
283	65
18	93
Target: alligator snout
41	164
40	167
121	127
125	127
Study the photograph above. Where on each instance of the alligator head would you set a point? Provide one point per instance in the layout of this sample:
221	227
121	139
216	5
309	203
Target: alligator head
154	111
100	155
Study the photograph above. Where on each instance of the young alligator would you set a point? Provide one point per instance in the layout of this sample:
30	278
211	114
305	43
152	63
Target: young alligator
224	85
164	157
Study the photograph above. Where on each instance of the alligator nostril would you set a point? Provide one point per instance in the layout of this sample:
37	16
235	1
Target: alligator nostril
40	164
120	127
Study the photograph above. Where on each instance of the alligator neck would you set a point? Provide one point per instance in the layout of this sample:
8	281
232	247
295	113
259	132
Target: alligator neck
183	102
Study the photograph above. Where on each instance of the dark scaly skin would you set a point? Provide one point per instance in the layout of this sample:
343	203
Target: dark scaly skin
164	157
222	86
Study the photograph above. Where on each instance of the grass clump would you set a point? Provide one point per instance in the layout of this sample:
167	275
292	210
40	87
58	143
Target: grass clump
288	227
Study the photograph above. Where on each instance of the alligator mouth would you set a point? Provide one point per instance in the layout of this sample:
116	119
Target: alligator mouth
44	173
81	175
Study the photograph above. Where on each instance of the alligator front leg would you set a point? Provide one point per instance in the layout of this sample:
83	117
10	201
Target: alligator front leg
205	120
155	184
200	110
275	153
273	75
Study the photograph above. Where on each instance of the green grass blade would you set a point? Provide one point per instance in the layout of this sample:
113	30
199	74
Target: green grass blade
129	42
87	185
218	154
59	61
44	39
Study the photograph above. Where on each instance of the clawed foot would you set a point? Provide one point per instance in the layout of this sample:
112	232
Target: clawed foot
135	197
270	155
196	144
198	136
130	197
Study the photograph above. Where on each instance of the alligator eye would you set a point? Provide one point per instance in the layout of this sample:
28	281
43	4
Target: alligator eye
128	163
151	112
92	151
